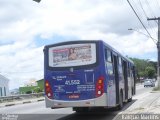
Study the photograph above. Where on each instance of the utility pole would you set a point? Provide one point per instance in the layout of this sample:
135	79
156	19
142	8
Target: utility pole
158	48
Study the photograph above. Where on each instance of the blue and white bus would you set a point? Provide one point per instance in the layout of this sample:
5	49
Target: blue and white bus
87	73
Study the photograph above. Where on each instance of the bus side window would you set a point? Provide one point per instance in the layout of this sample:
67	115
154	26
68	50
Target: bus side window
108	59
129	70
109	56
120	66
105	55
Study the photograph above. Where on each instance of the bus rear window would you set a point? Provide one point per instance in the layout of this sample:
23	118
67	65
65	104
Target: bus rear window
72	55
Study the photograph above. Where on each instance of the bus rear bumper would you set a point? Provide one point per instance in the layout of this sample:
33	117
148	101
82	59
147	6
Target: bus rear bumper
96	102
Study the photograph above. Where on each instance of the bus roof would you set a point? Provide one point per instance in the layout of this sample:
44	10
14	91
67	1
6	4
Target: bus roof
117	52
73	41
85	41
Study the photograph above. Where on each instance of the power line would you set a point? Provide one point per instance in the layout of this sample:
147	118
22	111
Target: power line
142	33
141	11
136	8
145	15
140	20
150	26
142	8
151	10
151	13
158	4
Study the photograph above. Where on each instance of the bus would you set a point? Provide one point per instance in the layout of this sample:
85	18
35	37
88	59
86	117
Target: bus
87	73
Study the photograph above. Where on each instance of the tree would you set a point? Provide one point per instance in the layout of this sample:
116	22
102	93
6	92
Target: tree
142	67
142	74
37	90
150	71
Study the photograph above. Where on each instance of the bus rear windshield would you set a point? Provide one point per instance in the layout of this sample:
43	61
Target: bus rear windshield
72	55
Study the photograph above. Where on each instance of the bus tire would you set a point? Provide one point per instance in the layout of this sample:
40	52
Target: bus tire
130	99
80	109
120	106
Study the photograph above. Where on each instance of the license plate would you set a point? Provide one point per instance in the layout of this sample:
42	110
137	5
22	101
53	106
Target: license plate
73	96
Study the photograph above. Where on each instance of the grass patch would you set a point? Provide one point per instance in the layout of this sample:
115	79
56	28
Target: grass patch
156	89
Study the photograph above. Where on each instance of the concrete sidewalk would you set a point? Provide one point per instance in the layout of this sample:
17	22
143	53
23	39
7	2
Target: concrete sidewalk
144	104
24	101
147	104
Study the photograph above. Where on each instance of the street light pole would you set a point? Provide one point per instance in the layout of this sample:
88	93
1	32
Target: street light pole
143	34
158	48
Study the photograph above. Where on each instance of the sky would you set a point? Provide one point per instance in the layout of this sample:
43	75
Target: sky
26	27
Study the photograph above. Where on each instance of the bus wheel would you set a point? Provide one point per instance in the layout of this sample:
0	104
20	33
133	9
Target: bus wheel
120	106
81	109
130	99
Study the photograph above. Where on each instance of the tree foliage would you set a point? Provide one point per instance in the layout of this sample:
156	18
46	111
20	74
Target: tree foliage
145	68
150	71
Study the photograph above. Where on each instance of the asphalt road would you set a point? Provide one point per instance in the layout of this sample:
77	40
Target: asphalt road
37	111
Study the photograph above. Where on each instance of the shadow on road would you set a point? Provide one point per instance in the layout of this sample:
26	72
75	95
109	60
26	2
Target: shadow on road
97	113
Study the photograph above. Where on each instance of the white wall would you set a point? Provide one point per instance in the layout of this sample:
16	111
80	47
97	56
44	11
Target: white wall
4	89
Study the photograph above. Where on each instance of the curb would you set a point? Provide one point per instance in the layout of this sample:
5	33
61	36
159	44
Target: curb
155	92
26	102
22	102
7	105
40	100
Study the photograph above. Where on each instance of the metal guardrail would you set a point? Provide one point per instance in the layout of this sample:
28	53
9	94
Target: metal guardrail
21	96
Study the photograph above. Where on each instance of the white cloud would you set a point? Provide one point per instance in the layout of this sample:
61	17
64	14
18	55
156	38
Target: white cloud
22	21
23	65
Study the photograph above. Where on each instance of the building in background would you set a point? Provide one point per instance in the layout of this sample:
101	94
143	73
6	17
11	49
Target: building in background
31	82
14	91
32	88
4	87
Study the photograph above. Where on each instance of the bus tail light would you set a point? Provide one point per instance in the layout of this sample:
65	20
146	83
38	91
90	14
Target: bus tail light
100	86
48	90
